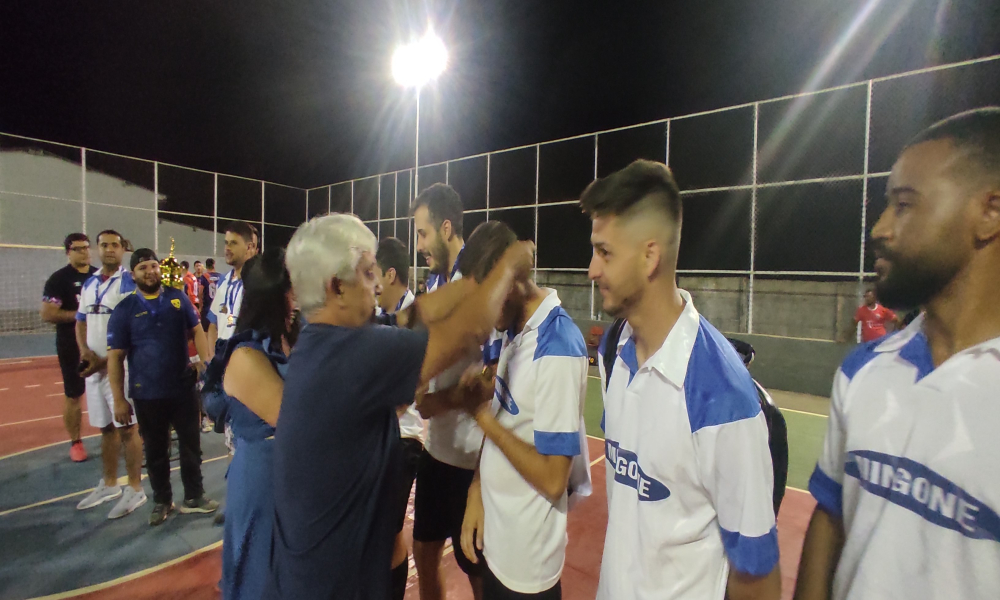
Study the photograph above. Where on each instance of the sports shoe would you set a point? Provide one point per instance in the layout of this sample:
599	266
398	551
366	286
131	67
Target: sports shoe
220	518
77	453
202	505
130	501
100	495
207	426
160	514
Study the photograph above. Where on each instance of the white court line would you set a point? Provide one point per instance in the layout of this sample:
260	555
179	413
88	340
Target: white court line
33	386
35	420
4	389
45	446
15	362
52	395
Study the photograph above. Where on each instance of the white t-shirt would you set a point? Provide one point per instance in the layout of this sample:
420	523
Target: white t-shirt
411	424
540	393
226	305
97	299
906	463
452	437
689	477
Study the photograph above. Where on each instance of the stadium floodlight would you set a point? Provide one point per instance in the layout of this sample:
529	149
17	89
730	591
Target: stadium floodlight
420	62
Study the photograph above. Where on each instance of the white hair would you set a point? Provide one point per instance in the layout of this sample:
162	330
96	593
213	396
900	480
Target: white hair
321	249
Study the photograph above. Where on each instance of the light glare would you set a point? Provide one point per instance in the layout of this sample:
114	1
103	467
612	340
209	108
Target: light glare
420	62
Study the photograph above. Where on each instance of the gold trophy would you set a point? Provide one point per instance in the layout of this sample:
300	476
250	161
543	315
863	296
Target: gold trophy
171	272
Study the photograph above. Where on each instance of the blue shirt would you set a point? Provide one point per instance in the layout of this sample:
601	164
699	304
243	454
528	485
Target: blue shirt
336	454
155	335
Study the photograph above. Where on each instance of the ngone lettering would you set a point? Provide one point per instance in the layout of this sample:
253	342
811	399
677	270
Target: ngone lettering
502	394
628	472
917	488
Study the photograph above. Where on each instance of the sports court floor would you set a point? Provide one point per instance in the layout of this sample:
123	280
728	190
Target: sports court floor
50	550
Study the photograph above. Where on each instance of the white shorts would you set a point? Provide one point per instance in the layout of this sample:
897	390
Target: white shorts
101	403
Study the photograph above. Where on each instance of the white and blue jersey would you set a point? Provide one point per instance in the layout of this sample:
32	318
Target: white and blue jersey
541	387
906	465
225	307
689	477
98	298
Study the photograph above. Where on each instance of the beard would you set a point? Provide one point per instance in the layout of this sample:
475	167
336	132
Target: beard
439	252
911	282
148	289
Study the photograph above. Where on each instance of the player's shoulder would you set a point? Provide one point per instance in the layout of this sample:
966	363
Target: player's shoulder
558	335
718	388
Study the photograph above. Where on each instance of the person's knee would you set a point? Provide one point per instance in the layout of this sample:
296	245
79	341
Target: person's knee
126	433
427	553
108	429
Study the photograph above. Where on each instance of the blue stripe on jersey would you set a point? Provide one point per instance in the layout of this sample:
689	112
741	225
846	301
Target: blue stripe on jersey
127	284
558	335
918	353
717	387
557	444
491	352
828	493
754	556
859	357
630	358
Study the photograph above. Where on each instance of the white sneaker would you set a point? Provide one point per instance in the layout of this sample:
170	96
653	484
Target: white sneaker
100	495
130	501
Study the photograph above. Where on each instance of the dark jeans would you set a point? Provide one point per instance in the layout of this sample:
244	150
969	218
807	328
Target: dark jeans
155	418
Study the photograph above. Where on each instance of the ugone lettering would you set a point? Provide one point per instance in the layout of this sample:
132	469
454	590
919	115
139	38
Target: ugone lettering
915	487
628	472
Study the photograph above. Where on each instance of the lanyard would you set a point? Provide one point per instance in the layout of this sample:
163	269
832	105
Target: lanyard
233	289
399	305
100	294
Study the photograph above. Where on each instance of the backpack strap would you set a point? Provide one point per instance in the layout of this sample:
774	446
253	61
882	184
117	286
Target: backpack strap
609	350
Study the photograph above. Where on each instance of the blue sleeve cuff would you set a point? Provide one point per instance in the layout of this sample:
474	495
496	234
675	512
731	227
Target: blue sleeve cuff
557	444
827	492
80	316
754	556
212	318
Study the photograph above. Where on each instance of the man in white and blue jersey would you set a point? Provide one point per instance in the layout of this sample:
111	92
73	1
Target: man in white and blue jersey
98	297
392	267
689	477
225	307
907	486
535	436
453	440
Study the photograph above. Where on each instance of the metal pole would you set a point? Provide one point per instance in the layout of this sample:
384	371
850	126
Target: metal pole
83	187
416	153
156	206
215	214
864	189
261	249
538	160
753	221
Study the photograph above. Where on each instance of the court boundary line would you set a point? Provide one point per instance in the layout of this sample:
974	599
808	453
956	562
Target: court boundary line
86	437
97	587
36	420
142	477
26	358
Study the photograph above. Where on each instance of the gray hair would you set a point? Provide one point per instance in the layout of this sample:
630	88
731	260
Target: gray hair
321	249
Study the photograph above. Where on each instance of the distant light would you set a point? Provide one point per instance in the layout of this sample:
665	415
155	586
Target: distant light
420	62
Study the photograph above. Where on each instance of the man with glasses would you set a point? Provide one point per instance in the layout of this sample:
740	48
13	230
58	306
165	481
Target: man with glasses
60	300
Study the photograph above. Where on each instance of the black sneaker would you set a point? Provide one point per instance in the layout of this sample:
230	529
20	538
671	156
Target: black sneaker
160	514
202	505
220	518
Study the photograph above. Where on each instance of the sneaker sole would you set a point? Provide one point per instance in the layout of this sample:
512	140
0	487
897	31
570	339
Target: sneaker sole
100	502
129	511
196	511
165	517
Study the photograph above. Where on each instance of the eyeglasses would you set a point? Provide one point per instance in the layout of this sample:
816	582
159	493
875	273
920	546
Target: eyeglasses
79	248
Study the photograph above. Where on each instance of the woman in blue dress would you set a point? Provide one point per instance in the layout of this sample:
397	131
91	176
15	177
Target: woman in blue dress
255	360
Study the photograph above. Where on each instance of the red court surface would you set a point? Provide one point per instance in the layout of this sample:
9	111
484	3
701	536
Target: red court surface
30	418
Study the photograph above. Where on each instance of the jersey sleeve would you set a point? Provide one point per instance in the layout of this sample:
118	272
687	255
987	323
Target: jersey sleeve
213	312
735	465
827	481
888	314
85	301
560	383
119	327
52	293
190	314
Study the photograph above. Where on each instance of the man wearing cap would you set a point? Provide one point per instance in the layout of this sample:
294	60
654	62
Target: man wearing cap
151	327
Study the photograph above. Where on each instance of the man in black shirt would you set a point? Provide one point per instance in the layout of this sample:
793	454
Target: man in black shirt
60	300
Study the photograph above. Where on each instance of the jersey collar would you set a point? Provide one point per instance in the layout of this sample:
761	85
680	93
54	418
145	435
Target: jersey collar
671	360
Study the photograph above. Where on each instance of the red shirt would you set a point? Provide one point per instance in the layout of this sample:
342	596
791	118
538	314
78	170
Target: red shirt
191	287
873	321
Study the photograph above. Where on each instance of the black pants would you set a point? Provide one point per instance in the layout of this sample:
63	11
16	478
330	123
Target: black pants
155	418
494	590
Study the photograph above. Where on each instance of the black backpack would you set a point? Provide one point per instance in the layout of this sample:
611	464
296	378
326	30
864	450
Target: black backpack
777	430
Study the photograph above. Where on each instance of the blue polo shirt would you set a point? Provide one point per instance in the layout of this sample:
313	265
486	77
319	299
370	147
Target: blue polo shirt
155	335
336	454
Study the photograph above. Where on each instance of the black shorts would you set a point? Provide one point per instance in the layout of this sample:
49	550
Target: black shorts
493	589
69	361
439	506
412	449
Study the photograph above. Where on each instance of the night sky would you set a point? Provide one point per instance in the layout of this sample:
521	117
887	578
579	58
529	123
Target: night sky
300	92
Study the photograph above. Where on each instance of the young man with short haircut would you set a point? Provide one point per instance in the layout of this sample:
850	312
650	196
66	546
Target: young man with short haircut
99	297
60	300
535	435
453	439
689	476
906	500
225	309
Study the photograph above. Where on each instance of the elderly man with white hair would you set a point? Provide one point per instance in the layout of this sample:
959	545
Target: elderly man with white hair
337	443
